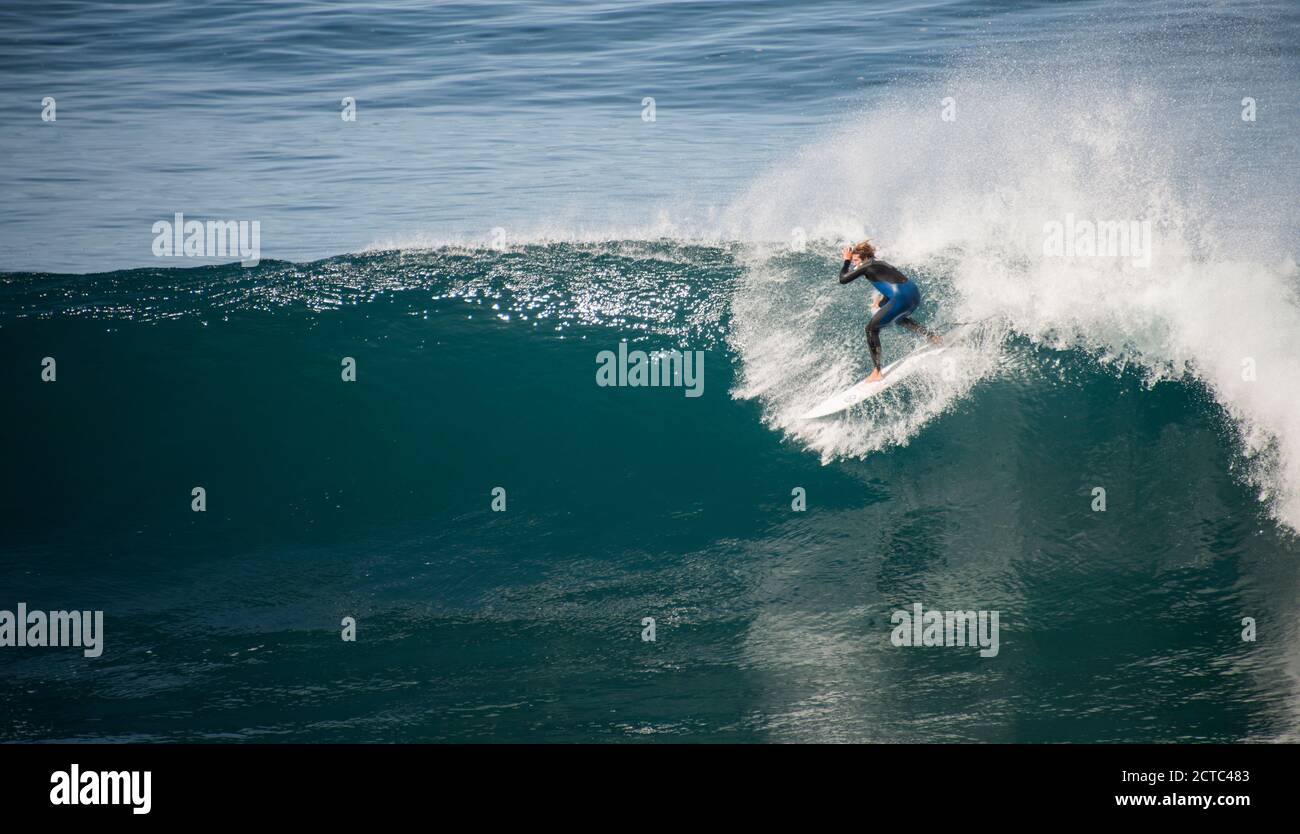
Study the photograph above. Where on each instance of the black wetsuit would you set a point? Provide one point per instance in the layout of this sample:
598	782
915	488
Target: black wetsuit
901	298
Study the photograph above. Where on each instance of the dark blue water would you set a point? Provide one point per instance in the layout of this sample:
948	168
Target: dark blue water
970	490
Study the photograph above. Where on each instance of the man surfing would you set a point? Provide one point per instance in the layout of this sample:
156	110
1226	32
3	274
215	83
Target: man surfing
899	296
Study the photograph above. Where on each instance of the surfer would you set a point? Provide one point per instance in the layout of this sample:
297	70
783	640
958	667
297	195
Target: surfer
897	297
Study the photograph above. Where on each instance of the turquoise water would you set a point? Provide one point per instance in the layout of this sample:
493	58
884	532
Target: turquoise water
970	488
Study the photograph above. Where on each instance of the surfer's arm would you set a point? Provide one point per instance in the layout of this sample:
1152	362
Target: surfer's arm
846	276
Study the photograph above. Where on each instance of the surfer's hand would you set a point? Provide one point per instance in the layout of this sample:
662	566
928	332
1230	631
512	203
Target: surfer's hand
848	252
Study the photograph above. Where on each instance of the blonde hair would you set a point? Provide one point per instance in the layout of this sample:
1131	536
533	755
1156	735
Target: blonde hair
864	250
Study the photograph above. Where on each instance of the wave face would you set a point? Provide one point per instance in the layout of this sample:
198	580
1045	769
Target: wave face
476	369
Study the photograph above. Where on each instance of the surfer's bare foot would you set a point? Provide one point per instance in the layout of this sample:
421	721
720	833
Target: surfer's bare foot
935	340
875	376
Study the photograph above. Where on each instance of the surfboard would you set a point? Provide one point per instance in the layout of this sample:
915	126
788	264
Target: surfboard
893	373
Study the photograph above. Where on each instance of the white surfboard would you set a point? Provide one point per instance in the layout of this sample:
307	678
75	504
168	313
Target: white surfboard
893	373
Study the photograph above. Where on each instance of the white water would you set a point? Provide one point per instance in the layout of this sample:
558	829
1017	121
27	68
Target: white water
963	204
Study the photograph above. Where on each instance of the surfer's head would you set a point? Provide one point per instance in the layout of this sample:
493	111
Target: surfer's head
863	250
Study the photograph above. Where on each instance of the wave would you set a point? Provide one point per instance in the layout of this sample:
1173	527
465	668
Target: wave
960	203
964	205
792	333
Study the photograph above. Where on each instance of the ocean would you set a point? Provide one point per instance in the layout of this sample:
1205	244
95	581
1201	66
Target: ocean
373	488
